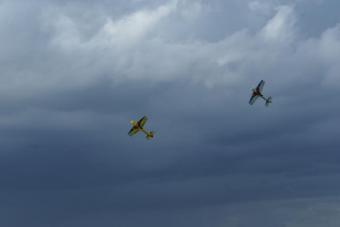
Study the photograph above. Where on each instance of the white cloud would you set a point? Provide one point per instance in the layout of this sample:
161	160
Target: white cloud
133	46
281	26
120	33
261	7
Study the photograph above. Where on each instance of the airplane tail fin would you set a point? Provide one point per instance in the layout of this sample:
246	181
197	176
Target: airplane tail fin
150	135
268	101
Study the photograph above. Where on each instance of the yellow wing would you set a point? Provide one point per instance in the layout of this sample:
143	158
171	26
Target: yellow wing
142	121
133	131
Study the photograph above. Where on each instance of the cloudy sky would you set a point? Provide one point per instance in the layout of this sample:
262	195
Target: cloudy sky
74	73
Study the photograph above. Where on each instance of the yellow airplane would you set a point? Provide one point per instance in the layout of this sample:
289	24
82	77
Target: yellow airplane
138	126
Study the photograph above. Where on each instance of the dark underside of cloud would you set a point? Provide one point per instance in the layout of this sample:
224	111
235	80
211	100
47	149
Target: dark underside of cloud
74	73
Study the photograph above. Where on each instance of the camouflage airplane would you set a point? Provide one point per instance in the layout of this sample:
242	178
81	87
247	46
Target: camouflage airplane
138	126
257	92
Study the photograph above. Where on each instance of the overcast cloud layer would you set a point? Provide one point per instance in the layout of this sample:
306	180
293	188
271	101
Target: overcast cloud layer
73	73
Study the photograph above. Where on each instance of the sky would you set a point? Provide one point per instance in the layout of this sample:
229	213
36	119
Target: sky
74	73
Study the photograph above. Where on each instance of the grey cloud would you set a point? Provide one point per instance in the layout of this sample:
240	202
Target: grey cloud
73	73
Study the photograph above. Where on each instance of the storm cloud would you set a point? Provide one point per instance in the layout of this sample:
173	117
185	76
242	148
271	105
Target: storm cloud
73	73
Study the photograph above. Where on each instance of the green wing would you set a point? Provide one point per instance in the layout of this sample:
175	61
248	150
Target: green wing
142	121
133	131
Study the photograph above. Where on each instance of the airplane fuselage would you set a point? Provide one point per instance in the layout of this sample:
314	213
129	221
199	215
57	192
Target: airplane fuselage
258	93
135	125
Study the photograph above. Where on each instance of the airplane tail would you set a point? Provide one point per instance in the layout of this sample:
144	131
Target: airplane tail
150	135
268	101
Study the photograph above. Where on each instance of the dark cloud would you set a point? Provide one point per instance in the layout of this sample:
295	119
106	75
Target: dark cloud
73	73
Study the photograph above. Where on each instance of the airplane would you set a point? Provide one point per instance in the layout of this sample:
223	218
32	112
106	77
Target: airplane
138	126
257	92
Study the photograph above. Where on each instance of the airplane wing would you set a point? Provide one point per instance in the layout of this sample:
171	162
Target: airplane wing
253	99
133	131
260	86
142	121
